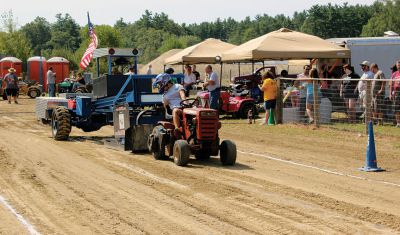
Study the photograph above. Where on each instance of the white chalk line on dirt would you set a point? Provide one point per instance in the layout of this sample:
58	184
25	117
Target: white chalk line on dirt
318	168
21	219
146	173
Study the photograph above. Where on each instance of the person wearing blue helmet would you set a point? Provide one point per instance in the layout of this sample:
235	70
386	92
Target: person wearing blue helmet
173	94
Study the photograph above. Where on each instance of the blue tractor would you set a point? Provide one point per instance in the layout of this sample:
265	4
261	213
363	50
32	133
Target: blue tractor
127	102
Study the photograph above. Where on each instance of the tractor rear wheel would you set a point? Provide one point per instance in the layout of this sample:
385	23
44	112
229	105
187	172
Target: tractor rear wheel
61	123
33	93
157	148
228	152
181	152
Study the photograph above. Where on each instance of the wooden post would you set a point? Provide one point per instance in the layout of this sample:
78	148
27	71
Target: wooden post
279	103
368	101
316	103
239	68
220	76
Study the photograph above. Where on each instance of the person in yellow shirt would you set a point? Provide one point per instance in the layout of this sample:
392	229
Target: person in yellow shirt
270	89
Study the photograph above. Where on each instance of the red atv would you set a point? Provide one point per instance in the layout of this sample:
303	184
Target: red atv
199	128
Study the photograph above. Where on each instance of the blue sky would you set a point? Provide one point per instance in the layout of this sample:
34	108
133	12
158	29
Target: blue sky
107	12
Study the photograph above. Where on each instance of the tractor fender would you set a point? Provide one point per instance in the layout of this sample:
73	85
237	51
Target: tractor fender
142	113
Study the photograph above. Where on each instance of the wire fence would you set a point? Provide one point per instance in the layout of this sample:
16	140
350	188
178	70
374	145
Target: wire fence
326	101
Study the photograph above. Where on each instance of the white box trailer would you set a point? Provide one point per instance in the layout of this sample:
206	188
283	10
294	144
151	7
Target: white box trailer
384	51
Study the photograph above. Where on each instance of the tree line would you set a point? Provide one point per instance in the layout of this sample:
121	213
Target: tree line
155	33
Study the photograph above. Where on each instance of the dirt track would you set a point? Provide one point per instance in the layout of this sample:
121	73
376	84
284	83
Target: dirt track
82	187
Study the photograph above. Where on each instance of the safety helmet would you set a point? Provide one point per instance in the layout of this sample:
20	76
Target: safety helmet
169	71
161	81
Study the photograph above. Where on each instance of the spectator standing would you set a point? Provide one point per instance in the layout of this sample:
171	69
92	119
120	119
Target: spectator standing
11	80
149	70
378	93
349	91
300	85
270	89
310	94
197	74
367	74
213	86
189	80
51	82
395	93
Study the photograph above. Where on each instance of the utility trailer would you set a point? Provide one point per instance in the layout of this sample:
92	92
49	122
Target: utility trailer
381	50
127	102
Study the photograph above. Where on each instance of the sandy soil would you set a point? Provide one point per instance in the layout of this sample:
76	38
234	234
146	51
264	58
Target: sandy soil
82	187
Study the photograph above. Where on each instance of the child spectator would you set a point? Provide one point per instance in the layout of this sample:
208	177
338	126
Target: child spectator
270	89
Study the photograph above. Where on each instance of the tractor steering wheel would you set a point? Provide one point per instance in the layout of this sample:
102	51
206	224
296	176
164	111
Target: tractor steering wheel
188	103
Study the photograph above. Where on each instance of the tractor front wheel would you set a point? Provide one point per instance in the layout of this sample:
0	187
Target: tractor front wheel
228	152
61	123
33	93
157	148
181	152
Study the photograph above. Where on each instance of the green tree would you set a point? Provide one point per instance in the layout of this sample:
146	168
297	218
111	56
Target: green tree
174	42
386	17
330	21
65	33
12	41
15	44
38	33
8	22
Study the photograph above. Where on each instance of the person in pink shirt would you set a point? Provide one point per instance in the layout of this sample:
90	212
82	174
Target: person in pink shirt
395	93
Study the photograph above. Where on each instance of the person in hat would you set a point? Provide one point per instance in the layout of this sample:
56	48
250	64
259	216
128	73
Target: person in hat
173	94
11	80
367	74
348	91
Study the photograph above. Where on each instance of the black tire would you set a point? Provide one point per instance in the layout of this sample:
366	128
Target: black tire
61	123
158	149
90	128
33	93
80	90
228	153
181	152
202	155
244	109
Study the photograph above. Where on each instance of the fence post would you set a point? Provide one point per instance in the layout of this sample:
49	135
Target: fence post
316	103
279	102
368	104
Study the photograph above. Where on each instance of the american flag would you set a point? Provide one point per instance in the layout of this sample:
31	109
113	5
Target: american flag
87	57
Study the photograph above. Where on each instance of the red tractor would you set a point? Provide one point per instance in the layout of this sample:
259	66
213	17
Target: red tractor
199	128
230	103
